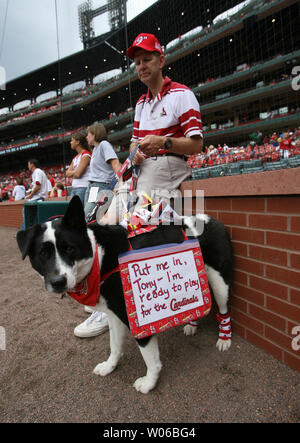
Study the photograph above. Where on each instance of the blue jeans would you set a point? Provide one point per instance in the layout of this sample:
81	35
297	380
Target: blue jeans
89	206
80	192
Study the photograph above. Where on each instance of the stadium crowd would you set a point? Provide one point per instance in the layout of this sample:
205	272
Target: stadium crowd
269	148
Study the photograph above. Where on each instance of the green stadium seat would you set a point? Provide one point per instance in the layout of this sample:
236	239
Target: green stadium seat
252	170
204	174
234	169
217	171
294	162
214	173
272	166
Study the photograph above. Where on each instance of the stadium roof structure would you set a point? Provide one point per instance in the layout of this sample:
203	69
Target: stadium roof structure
106	54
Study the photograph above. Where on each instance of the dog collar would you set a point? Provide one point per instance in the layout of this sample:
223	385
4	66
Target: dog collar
88	291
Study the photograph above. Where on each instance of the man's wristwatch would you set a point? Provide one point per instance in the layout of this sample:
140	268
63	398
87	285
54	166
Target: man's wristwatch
168	144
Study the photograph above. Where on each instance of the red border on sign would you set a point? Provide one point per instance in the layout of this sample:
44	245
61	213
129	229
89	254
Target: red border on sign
177	319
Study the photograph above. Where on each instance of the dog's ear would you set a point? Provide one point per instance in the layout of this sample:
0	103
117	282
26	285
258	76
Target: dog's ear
25	239
74	217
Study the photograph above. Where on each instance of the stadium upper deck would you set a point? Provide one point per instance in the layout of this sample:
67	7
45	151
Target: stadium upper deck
238	62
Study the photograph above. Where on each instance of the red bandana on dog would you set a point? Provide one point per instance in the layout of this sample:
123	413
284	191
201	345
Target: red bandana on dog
88	291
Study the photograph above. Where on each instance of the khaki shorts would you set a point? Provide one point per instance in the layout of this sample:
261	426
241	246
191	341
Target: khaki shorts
162	174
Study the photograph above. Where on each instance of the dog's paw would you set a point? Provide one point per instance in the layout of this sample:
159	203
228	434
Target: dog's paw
223	345
103	369
144	385
189	330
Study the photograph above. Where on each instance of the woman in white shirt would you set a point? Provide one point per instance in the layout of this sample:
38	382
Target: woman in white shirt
79	169
19	190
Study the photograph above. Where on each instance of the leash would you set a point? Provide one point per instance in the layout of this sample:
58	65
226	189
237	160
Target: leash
126	170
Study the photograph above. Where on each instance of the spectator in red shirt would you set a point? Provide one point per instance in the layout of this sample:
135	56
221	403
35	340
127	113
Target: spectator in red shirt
285	146
51	179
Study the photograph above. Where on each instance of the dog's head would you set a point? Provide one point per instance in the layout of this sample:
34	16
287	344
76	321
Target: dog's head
62	250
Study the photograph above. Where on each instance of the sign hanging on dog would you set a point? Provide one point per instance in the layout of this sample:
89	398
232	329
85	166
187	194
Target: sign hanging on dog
164	286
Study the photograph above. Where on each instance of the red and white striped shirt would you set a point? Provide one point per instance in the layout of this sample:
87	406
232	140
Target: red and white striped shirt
174	112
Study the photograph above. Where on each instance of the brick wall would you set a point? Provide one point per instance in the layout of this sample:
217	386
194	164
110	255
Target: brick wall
262	214
11	214
265	302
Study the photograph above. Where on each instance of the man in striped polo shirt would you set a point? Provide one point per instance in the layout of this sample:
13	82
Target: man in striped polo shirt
167	128
167	122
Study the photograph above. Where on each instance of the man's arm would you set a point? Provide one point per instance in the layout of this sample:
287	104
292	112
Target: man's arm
36	188
183	145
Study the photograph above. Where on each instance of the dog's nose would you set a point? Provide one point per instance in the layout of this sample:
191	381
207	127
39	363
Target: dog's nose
59	283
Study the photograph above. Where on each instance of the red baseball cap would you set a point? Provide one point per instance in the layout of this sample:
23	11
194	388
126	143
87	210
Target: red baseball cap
144	41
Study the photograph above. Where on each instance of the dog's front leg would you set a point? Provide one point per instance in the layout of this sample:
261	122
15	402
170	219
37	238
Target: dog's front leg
117	331
150	353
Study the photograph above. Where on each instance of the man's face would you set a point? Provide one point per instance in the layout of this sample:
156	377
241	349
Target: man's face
148	65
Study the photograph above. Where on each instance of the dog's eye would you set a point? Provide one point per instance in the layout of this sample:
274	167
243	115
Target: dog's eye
69	249
44	253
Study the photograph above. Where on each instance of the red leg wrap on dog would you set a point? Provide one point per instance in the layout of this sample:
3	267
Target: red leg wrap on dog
224	326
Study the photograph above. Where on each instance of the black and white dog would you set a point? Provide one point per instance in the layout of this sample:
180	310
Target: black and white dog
62	251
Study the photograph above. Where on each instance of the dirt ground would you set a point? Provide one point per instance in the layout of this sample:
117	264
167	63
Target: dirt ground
46	372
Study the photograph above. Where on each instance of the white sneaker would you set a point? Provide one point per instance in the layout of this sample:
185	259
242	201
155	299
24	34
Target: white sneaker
96	324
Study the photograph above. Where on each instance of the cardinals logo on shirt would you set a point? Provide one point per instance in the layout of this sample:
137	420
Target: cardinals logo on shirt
163	112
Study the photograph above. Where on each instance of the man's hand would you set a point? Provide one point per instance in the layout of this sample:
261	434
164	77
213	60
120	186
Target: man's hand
151	144
138	158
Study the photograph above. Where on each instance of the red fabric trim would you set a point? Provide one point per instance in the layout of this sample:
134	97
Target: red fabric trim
172	131
86	152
